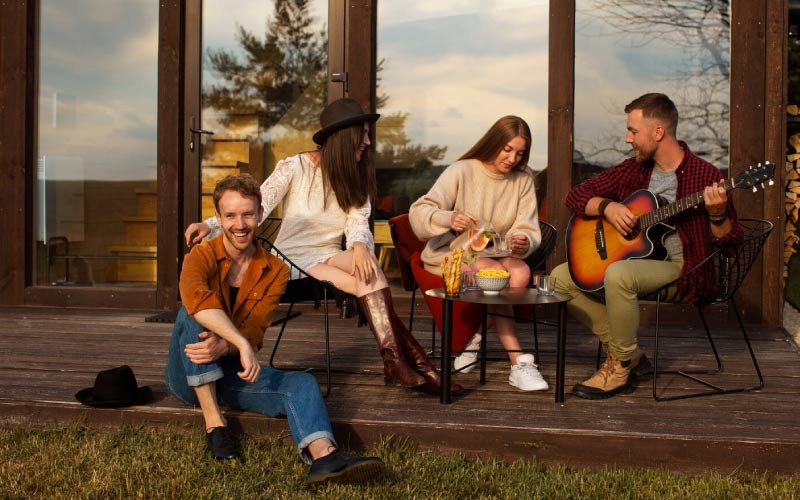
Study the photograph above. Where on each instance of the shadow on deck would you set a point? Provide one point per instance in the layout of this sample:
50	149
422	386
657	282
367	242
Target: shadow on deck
47	354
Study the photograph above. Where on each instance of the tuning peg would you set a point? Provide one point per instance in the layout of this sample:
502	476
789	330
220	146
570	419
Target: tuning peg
771	183
755	189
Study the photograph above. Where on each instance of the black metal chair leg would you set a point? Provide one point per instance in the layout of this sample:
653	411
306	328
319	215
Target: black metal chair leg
535	335
411	314
714	389
327	344
710	341
280	335
756	366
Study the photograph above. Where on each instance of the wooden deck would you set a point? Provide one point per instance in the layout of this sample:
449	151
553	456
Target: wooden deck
47	354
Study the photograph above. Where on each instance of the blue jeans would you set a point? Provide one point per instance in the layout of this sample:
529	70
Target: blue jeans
295	395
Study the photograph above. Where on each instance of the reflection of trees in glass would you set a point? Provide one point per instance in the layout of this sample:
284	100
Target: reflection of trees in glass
405	170
281	80
395	149
271	79
698	30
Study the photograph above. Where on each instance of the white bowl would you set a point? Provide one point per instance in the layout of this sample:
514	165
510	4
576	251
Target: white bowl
491	285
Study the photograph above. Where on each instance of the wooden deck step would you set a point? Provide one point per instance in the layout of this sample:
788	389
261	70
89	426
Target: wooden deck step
48	354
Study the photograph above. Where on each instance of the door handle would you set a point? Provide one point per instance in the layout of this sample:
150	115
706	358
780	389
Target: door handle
197	131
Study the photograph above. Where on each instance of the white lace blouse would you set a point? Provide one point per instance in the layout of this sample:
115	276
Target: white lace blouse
311	232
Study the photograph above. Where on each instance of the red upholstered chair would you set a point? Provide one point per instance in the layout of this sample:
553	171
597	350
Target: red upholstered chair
466	317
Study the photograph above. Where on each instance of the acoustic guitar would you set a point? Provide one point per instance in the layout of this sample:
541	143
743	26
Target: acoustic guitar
593	243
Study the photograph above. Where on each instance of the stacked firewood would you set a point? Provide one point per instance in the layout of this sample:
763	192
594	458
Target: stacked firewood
792	201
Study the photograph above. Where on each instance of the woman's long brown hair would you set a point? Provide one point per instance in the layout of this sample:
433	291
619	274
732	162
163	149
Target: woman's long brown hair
489	146
353	183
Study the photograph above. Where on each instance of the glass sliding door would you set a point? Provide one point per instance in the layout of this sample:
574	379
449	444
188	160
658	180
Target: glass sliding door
263	83
626	49
95	192
446	72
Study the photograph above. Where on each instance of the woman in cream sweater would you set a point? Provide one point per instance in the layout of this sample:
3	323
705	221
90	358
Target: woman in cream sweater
490	183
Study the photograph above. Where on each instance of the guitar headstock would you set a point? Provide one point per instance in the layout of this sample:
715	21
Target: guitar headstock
755	175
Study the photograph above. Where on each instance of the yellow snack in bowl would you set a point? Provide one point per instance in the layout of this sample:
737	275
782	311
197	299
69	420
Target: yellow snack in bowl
492	273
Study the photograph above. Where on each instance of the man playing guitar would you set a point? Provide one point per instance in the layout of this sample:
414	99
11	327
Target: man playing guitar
667	168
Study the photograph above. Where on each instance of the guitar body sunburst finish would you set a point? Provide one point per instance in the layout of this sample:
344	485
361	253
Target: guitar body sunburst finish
593	243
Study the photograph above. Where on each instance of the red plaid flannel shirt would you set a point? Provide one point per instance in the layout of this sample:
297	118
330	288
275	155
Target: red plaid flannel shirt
694	174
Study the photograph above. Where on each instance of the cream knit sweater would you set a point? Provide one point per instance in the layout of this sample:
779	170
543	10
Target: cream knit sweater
507	201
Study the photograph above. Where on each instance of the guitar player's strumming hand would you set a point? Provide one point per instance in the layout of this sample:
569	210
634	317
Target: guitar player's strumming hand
617	214
620	217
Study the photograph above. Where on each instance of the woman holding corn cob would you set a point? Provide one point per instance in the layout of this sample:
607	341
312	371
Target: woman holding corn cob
325	195
490	183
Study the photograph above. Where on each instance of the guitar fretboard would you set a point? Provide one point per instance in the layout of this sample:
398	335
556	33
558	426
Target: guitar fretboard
663	213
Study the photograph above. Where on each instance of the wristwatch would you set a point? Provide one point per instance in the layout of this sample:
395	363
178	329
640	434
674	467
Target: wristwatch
717	220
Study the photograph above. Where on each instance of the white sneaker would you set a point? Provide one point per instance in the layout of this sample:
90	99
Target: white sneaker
525	375
466	358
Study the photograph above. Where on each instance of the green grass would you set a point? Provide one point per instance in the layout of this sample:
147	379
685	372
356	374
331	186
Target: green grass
76	462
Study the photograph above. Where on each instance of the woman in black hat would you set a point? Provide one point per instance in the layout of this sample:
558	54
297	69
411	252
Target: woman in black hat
325	194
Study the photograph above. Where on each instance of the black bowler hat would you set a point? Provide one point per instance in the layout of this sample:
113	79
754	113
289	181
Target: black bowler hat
339	114
114	388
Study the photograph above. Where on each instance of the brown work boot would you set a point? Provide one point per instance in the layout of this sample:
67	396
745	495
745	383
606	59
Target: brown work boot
377	307
612	378
640	365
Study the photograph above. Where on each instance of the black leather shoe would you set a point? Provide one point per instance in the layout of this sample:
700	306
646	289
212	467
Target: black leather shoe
221	445
341	468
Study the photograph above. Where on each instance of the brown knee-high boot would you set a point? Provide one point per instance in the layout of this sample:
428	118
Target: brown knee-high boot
379	312
414	353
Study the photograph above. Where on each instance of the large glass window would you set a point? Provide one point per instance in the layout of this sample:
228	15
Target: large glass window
626	49
264	75
446	72
95	208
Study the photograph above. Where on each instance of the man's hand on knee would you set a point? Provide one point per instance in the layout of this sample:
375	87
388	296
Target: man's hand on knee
210	349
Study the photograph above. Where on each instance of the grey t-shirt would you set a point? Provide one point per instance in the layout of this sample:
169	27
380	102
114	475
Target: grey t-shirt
665	185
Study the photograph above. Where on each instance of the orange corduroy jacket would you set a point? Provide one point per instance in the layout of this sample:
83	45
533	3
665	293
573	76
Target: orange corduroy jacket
203	285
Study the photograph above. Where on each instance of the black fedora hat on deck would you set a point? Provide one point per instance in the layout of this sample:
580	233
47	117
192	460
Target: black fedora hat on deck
114	388
339	114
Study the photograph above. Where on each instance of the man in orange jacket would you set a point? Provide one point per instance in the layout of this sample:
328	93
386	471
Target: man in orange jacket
230	287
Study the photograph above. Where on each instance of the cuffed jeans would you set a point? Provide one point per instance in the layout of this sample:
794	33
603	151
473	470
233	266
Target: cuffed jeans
616	321
295	395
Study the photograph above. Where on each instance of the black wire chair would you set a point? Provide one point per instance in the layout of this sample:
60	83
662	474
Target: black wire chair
731	263
537	261
302	287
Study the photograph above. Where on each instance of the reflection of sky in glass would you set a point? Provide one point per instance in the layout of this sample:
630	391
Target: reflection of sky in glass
616	62
222	18
458	66
98	86
221	22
